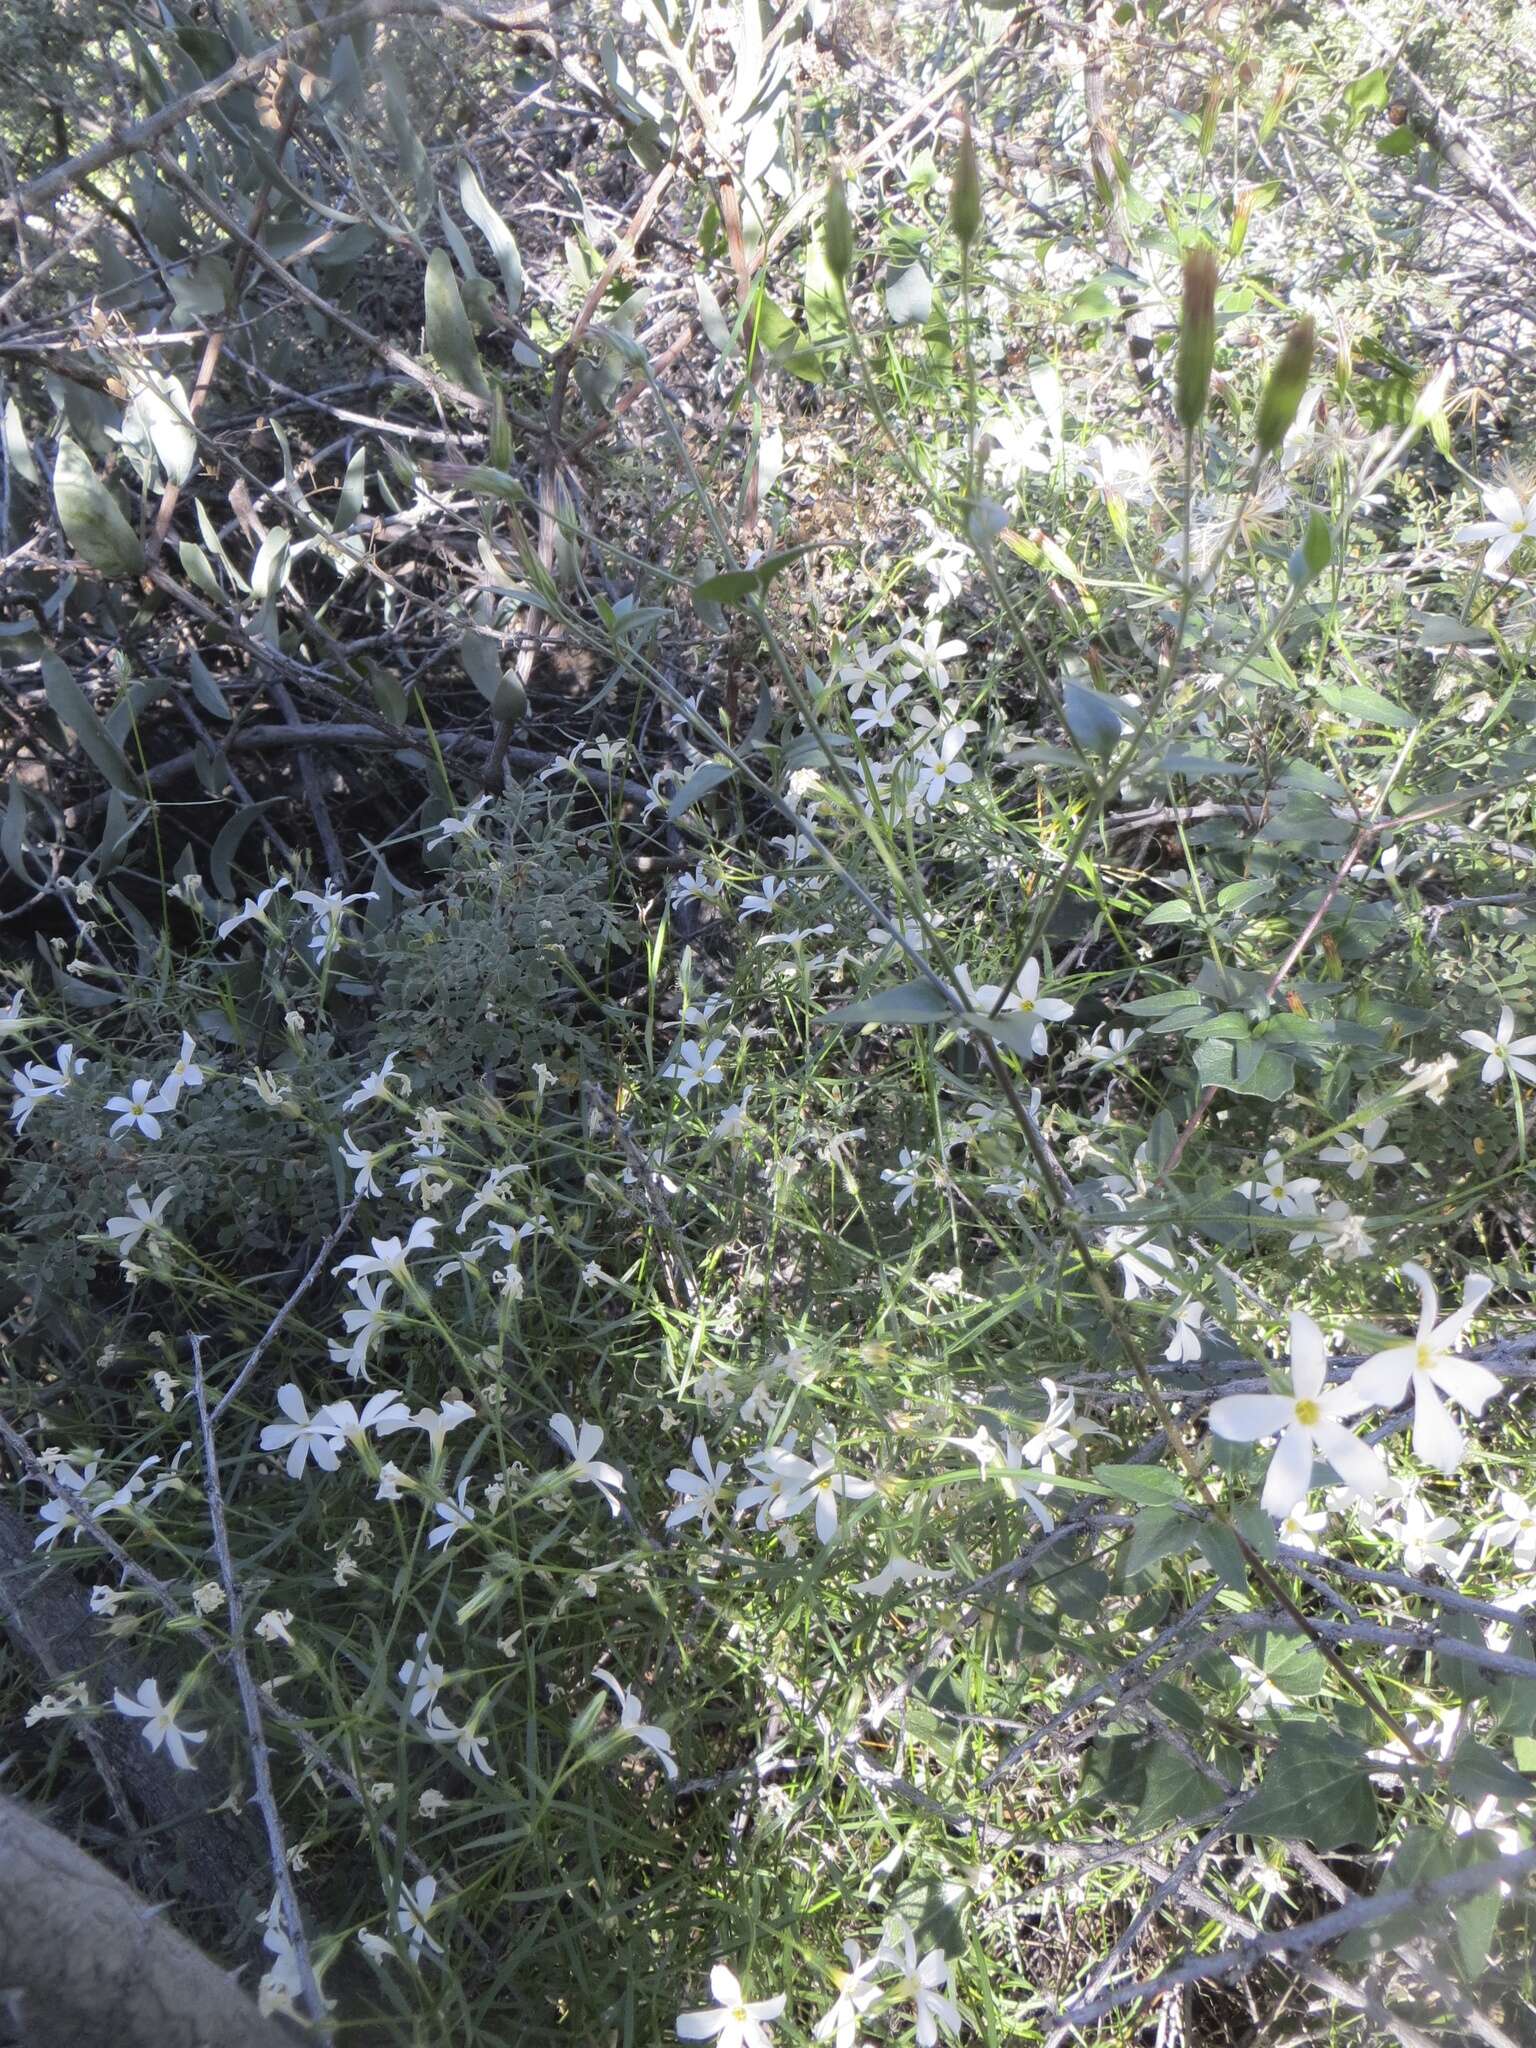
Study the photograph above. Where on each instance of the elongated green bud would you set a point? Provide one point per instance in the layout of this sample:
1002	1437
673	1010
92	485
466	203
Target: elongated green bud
837	229
1197	339
965	191
1287	384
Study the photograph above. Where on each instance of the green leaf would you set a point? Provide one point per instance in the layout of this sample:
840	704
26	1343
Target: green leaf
1365	706
1244	1069
73	708
909	296
1173	1790
700	784
1157	1533
1479	1770
1316	1790
205	689
495	230
17	447
1148	1486
729	587
1094	720
449	338
94	523
1223	1553
716	327
916	1002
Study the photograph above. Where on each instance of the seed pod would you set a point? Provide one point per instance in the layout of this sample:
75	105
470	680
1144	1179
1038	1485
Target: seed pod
837	229
1287	382
1197	339
965	191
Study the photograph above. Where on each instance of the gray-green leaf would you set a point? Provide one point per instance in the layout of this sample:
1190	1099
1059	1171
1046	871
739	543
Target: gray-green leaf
449	337
94	524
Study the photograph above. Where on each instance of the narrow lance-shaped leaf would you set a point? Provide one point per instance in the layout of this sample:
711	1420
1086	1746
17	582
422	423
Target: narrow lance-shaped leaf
449	337
73	708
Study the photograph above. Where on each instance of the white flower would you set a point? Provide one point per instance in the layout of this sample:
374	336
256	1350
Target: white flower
1362	1153
898	1571
655	1739
422	1678
411	1916
458	828
1184	1338
159	1723
581	1445
455	1514
764	900
1510	523
140	1109
1506	1053
361	1164
860	668
1025	1000
383	1413
929	656
435	1423
1341	1233
143	1219
879	714
732	1125
376	1087
1300	1528
255	906
1516	1528
274	1626
1430	1365
1274	1191
1421	1534
856	1993
694	1067
734	2021
389	1255
1310	1422
904	1177
326	912
701	1490
938	765
820	1486
302	1437
926	1983
185	1074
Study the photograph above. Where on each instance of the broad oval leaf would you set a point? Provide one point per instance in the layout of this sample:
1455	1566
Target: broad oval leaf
94	523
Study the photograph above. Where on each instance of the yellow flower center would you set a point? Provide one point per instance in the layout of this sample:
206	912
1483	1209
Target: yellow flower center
1308	1413
1424	1358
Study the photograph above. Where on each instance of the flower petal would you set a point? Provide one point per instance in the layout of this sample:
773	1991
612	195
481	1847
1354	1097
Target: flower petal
1309	1354
1358	1464
1244	1418
1290	1473
1436	1439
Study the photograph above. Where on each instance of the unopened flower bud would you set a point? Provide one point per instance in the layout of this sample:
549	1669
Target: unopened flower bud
837	229
1287	383
965	191
1197	339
